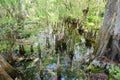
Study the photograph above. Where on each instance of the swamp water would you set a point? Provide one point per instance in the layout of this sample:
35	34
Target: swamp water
46	67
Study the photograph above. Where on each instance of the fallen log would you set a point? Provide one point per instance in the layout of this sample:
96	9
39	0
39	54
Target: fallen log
7	72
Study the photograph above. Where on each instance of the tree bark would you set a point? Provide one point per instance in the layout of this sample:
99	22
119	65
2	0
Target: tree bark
4	75
105	39
116	36
5	69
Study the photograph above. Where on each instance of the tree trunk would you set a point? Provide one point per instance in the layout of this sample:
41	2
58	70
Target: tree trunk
107	43
5	69
4	75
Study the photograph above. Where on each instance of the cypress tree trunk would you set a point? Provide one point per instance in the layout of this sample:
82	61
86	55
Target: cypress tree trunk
108	43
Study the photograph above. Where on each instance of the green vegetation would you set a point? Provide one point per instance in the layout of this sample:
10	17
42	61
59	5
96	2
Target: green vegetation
73	23
114	72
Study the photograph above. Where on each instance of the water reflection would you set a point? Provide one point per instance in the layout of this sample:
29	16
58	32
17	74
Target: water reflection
49	60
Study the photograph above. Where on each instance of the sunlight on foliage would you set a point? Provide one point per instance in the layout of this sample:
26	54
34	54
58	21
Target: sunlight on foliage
114	72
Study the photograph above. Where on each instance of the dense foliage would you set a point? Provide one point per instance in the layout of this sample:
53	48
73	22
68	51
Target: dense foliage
41	27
